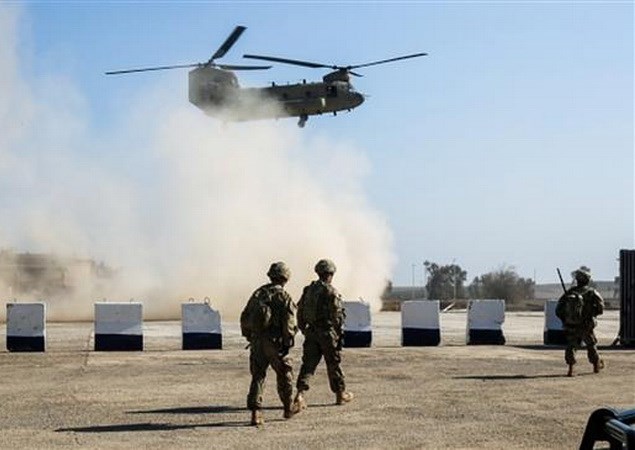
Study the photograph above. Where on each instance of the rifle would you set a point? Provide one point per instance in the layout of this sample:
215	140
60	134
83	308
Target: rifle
561	280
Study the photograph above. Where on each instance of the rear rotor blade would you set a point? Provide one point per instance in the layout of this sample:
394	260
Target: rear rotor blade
148	69
290	61
384	61
229	42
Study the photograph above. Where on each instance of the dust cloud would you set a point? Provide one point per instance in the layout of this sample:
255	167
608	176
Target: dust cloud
177	204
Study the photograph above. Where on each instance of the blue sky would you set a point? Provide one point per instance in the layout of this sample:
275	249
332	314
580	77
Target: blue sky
510	144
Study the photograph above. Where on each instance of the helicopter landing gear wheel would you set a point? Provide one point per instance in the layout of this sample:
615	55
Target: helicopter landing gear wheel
302	121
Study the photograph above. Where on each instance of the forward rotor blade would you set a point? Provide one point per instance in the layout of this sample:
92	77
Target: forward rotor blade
229	42
148	69
384	61
234	67
290	61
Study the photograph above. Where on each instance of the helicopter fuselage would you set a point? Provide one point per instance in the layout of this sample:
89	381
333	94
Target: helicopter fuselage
307	99
218	93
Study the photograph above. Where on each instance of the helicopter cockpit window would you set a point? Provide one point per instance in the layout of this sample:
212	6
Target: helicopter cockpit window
331	91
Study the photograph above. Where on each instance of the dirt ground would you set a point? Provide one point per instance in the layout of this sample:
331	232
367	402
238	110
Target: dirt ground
450	396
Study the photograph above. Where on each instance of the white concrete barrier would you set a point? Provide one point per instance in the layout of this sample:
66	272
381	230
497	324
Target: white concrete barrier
118	326
484	322
201	327
26	327
357	326
420	323
554	332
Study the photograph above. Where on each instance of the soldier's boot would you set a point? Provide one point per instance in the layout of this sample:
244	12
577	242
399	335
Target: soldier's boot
598	365
256	417
290	411
291	408
299	402
343	397
570	372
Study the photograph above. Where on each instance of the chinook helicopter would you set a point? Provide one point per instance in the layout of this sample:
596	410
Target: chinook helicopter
334	93
214	88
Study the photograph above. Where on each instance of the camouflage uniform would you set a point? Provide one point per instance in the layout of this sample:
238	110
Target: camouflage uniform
593	306
323	337
322	333
271	347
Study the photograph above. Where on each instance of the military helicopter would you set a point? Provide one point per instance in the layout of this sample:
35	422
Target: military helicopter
214	88
334	93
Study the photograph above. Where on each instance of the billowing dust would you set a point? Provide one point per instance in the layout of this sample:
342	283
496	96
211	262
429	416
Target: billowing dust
176	203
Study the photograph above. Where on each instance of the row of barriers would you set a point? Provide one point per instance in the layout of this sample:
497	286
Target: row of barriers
118	326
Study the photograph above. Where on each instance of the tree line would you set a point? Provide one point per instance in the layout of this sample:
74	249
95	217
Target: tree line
445	282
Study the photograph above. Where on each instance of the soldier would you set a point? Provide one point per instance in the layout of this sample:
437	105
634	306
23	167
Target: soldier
321	319
577	309
268	322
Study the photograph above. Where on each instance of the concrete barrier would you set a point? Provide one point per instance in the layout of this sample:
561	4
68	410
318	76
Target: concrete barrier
484	322
357	326
201	327
26	327
420	323
118	326
554	332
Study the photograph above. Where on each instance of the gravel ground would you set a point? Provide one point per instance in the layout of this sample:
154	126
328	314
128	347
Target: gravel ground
450	396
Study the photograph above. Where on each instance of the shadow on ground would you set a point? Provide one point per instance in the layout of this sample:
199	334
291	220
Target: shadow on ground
562	347
516	377
125	427
162	426
194	410
213	409
509	377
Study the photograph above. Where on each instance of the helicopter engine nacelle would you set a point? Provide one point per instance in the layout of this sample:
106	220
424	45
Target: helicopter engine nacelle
211	88
338	75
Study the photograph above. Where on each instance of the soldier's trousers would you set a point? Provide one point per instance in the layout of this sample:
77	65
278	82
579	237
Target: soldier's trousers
575	337
318	343
265	353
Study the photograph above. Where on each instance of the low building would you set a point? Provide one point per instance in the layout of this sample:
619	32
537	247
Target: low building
45	274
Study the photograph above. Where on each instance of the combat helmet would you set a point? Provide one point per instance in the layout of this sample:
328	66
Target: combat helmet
279	270
325	266
582	275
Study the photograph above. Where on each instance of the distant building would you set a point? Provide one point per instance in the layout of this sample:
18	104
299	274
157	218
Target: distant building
609	290
47	275
393	296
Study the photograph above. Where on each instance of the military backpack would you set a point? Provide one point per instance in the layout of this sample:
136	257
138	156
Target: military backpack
256	318
570	309
311	304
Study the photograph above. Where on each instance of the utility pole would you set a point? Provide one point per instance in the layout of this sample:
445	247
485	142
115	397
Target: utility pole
413	280
425	279
453	279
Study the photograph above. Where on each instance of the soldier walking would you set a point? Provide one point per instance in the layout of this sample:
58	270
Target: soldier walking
577	309
321	320
268	322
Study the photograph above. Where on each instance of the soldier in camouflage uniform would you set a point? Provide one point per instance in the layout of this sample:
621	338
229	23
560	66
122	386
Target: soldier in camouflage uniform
270	346
592	306
321	320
